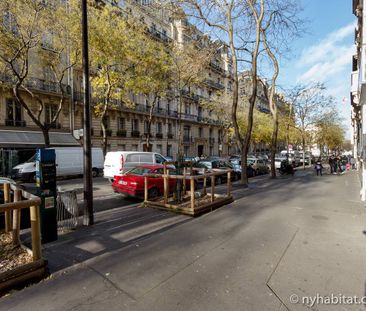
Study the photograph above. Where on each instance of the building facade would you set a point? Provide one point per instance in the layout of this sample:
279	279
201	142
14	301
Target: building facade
358	93
203	131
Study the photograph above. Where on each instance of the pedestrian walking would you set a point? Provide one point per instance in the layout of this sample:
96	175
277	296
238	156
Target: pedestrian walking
353	163
331	164
335	165
319	167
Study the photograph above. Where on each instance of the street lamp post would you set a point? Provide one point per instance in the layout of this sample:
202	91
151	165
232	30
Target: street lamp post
88	218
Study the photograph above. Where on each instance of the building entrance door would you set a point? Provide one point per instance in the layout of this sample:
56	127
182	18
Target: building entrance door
200	150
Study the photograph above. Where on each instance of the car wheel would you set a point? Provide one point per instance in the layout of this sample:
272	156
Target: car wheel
219	180
257	172
95	172
153	192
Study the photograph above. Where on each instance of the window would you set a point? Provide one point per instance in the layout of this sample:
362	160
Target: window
187	131
170	128
159	159
211	132
200	132
146	126
186	151
211	151
200	112
134	147
158	105
13	113
50	112
48	41
135	125
121	124
187	109
159	148
159	128
9	22
169	150
121	147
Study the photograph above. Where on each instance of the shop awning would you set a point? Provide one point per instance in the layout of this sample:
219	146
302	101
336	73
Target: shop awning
25	139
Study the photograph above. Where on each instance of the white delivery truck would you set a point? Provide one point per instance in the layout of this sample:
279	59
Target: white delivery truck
118	162
69	162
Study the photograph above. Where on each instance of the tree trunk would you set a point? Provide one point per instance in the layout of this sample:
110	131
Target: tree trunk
104	134
253	97
303	151
46	137
274	145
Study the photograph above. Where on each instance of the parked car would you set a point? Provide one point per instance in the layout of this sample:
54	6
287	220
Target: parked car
259	165
132	183
118	162
215	165
69	162
238	169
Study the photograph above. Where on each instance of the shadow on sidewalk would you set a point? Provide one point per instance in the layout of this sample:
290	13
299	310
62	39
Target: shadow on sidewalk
118	228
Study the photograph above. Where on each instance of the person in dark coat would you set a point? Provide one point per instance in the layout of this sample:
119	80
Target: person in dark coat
331	164
319	167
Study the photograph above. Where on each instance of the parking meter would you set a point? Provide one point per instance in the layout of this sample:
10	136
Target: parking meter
46	190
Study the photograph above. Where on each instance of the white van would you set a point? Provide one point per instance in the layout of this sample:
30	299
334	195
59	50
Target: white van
119	162
69	162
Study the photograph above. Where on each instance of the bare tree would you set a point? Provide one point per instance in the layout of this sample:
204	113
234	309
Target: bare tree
309	105
29	29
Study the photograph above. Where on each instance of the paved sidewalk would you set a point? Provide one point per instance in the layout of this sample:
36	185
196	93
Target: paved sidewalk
301	235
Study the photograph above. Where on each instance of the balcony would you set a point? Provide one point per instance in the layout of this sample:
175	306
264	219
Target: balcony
135	134
190	95
216	67
38	84
215	85
18	123
159	135
108	132
121	133
188	117
211	140
187	139
159	35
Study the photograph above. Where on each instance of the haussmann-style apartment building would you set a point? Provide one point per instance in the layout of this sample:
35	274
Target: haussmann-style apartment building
203	131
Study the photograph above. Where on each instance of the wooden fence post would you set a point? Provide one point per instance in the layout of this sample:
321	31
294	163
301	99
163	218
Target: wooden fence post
146	196
16	218
192	193
204	182
36	232
7	213
166	187
212	188
184	180
228	183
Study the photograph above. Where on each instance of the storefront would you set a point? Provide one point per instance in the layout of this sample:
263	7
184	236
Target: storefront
19	146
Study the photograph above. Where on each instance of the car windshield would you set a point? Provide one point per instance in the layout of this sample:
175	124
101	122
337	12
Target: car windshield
251	161
32	159
204	164
140	171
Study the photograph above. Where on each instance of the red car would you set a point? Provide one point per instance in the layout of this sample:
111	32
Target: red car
133	182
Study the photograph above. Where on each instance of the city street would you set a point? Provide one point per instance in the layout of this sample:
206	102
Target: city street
299	236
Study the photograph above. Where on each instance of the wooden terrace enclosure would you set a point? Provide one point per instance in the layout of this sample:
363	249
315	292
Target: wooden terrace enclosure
12	215
193	202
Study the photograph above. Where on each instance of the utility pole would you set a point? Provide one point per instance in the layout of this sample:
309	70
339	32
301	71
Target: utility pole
88	218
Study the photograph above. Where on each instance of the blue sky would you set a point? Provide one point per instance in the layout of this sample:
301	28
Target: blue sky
325	52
